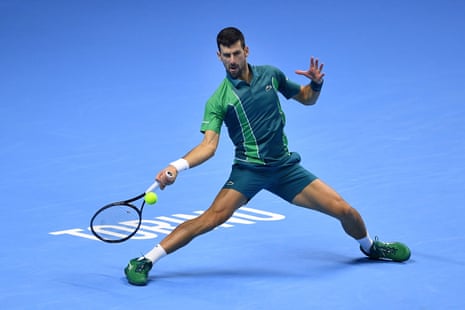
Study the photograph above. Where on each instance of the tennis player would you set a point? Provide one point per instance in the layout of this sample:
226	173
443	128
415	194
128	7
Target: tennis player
247	102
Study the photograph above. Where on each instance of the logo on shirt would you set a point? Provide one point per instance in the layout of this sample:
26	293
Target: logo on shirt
268	87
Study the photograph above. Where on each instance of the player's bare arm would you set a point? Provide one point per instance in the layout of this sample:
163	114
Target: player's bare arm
198	155
307	94
205	150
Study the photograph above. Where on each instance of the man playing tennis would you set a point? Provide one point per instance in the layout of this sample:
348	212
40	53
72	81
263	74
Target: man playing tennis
247	102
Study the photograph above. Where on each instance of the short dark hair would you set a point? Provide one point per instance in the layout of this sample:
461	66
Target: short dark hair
229	36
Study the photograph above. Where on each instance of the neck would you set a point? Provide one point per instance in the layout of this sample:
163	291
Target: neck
247	74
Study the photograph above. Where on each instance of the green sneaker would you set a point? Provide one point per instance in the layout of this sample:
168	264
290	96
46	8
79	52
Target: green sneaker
394	251
137	271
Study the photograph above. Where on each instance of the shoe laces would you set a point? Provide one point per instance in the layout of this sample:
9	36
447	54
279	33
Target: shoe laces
383	248
141	265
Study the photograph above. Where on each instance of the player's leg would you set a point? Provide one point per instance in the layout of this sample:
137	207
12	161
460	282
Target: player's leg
225	204
319	196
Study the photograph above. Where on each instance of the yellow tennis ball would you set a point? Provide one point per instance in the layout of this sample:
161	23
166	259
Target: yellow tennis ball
151	198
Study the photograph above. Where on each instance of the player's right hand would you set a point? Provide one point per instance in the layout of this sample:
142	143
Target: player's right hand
167	176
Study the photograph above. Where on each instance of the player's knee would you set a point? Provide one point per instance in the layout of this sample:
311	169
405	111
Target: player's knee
350	214
212	219
342	208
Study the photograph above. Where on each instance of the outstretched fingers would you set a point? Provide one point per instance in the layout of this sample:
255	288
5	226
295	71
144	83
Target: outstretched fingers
314	72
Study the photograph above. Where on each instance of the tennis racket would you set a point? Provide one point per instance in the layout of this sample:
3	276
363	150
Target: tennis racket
119	221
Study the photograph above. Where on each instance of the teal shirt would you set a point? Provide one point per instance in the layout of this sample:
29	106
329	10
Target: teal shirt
253	115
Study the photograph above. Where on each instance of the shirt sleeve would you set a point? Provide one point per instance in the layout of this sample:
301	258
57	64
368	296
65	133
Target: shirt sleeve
286	87
212	117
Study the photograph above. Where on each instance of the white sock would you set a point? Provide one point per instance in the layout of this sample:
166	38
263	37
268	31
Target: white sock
366	243
155	254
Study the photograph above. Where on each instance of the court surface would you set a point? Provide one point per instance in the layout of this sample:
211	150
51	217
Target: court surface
97	96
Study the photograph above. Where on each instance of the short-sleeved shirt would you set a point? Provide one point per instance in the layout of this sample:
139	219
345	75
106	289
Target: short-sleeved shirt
253	115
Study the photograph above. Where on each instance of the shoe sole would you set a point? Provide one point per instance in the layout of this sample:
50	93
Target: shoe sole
409	253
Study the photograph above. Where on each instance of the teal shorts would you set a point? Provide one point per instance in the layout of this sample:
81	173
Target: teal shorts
285	180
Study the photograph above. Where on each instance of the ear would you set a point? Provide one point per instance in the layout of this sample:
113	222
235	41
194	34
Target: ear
246	51
218	54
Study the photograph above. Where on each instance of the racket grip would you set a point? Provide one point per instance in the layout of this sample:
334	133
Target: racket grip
155	184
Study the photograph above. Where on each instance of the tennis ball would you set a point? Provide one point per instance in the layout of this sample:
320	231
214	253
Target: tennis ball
151	198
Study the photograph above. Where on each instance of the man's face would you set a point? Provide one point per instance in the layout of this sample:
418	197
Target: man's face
234	59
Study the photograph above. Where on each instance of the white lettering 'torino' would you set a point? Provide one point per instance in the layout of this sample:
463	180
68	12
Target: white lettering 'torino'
161	225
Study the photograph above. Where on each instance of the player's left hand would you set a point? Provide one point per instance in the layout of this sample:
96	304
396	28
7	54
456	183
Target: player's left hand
315	72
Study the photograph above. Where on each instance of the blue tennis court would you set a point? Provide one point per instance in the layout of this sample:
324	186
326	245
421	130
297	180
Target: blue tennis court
97	96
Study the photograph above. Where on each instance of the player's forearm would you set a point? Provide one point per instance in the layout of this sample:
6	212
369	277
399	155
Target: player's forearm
204	151
309	94
200	154
195	157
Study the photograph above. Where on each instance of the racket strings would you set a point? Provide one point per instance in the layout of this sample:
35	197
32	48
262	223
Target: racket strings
116	222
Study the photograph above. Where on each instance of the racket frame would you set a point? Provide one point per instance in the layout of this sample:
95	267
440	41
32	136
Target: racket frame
127	203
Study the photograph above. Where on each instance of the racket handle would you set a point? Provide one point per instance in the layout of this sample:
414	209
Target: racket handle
155	184
152	187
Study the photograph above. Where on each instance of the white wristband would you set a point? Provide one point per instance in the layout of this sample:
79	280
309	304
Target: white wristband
180	164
